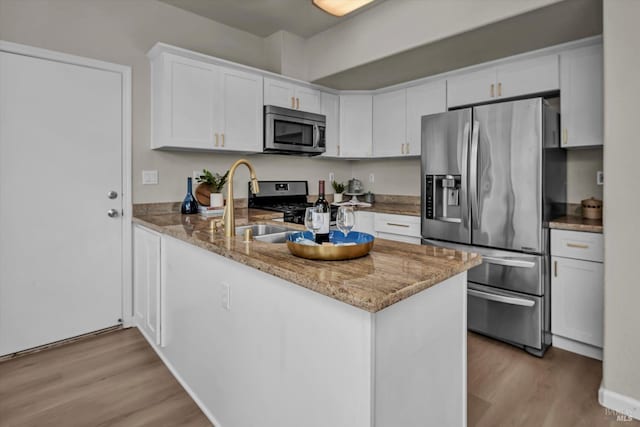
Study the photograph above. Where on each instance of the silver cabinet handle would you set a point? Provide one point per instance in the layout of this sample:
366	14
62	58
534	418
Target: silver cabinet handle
112	213
501	298
509	262
473	171
112	194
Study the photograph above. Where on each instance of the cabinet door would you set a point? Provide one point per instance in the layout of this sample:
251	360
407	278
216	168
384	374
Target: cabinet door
330	104
146	281
242	113
365	222
389	123
308	99
577	300
471	88
279	93
527	77
429	98
355	125
581	99
192	95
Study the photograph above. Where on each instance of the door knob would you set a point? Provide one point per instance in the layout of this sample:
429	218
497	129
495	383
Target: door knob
112	194
112	213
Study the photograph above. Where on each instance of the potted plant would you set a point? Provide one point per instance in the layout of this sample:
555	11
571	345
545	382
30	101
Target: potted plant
209	192
338	189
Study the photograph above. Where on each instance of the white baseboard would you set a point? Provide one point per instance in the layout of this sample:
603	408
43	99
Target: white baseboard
624	405
184	385
577	347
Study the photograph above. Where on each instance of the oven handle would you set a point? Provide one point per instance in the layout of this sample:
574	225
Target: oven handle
509	262
501	298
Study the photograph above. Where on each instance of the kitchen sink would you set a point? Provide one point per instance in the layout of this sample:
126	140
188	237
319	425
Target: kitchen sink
263	229
274	238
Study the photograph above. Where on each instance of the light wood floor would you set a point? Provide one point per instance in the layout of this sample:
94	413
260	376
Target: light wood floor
116	379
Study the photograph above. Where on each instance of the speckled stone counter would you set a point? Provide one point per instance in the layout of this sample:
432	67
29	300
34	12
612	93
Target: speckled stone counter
393	208
577	223
392	272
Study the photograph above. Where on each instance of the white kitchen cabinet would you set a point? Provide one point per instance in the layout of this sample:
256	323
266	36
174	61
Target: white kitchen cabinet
508	80
577	293
365	222
401	228
202	106
581	97
330	107
390	123
146	281
422	100
356	115
290	95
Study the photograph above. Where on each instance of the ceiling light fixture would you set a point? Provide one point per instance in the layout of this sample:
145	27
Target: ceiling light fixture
340	7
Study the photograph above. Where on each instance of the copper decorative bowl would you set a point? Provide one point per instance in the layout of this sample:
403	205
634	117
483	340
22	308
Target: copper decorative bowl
339	247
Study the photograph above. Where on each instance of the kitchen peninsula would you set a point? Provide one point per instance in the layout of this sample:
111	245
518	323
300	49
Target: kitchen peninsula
260	337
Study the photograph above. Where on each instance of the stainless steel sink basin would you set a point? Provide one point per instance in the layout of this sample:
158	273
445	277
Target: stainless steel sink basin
263	229
274	238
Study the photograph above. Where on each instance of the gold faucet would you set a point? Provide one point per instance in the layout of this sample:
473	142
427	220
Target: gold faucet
229	216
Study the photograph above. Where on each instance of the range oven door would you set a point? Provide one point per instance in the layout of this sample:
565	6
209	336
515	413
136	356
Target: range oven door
301	133
508	316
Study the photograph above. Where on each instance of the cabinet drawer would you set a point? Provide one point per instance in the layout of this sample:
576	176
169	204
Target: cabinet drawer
578	245
403	225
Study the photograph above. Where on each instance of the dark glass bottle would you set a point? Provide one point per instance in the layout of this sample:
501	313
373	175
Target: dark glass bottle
322	235
189	204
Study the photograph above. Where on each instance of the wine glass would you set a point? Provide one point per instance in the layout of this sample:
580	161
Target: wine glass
313	220
345	219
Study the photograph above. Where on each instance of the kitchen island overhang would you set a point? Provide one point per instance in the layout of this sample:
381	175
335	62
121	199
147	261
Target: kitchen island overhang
282	353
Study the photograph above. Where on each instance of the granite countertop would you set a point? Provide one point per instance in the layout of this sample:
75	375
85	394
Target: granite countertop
577	223
390	273
393	208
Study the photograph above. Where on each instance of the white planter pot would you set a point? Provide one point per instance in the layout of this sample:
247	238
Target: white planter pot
217	200
337	198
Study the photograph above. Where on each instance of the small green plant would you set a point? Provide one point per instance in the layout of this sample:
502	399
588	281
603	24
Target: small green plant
215	182
338	187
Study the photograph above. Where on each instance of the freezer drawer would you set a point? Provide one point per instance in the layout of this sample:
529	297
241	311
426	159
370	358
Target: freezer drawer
512	271
508	316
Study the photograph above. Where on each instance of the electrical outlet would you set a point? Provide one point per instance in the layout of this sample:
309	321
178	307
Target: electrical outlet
371	178
196	175
226	296
599	178
149	177
332	177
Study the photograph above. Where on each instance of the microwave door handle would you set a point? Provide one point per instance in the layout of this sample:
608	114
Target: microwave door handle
316	135
473	171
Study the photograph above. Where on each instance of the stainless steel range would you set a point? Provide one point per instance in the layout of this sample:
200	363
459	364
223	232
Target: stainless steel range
492	178
288	197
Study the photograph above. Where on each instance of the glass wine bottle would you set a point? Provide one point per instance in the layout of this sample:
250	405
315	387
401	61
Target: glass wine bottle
322	235
189	204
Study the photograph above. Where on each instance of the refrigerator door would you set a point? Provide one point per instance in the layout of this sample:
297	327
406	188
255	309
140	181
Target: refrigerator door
506	176
445	179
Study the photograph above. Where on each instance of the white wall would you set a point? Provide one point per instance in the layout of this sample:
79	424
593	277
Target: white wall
122	31
395	26
621	205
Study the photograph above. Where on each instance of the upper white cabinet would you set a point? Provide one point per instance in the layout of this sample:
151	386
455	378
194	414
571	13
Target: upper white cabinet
390	123
508	80
199	105
397	124
581	97
290	95
330	107
356	113
422	100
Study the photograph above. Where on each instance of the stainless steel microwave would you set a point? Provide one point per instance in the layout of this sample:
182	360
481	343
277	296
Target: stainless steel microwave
289	131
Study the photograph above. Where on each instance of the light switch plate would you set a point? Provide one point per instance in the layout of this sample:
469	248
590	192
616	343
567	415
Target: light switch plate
332	177
149	177
599	178
372	178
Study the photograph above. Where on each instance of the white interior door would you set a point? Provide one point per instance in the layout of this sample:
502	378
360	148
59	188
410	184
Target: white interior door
60	154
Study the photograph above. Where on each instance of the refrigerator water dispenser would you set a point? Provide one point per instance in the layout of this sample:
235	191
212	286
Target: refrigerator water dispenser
443	197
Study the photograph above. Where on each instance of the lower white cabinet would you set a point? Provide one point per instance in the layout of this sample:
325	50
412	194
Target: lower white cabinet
146	281
364	222
577	301
401	228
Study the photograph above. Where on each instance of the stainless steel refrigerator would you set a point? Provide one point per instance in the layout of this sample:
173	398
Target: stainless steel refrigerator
492	178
